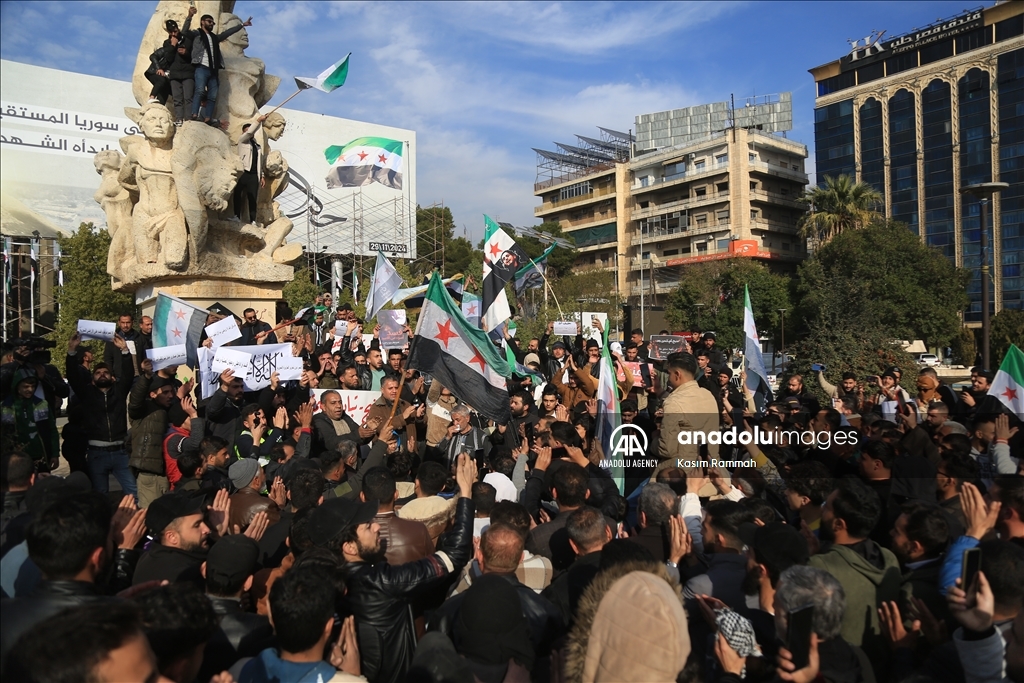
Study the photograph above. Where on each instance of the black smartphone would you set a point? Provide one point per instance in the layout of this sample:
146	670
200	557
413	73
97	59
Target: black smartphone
798	635
970	569
871	378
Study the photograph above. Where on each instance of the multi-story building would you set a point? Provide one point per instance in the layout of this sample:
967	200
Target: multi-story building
922	115
733	193
697	184
585	187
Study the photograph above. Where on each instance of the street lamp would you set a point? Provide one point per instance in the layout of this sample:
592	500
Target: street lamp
698	307
782	327
984	192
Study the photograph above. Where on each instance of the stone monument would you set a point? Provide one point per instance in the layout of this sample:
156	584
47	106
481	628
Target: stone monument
168	199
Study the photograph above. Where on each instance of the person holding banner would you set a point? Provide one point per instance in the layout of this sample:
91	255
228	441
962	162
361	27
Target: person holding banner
224	410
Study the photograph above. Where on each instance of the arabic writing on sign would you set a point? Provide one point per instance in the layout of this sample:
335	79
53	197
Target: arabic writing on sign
263	366
58	145
33	115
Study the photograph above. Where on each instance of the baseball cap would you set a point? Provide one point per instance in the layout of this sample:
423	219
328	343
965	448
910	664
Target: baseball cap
232	558
336	515
531	358
776	544
170	507
792	402
558	345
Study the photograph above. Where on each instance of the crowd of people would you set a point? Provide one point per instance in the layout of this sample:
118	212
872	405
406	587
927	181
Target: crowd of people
268	535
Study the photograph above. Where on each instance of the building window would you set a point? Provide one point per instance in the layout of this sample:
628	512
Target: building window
836	83
936	51
753	214
698	166
784	191
574	190
1010	28
974	39
701	247
723	216
785	246
907	60
753	157
670	252
723	188
796	167
700	192
753	184
722	159
723	244
871	72
702	220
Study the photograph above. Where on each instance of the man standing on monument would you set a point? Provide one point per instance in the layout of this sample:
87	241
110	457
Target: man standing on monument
208	61
251	180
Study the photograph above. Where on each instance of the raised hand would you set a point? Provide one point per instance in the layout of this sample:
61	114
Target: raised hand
892	626
345	652
281	418
257	527
981	518
227	376
219	512
976	609
543	459
680	542
787	671
1003	431
730	660
304	415
465	475
277	493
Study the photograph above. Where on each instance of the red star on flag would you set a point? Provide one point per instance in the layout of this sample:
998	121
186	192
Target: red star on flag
444	332
382	159
180	314
363	155
177	333
1010	394
477	358
494	249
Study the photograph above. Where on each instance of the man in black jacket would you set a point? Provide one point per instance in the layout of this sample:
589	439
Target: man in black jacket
113	352
501	550
224	409
102	401
207	60
332	425
379	593
69	540
181	72
180	540
228	572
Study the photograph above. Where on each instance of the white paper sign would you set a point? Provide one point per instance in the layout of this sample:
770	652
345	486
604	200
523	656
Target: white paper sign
441	412
223	331
131	347
357	403
289	367
565	327
208	381
263	362
591	332
340	328
367	340
227	358
167	356
94	329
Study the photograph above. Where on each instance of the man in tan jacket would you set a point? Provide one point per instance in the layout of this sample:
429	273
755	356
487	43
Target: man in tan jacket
690	411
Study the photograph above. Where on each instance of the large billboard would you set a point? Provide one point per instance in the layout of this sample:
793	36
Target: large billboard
53	122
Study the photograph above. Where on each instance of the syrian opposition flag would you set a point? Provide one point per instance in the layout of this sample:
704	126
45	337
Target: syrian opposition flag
502	259
178	322
608	416
531	276
471	308
460	356
331	79
364	161
307	315
386	281
1008	385
757	375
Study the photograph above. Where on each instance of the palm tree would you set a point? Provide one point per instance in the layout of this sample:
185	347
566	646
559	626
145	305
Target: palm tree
842	204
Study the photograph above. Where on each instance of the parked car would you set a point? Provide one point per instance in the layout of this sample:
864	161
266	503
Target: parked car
929	360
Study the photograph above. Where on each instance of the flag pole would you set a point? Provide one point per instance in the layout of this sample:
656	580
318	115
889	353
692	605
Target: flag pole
289	99
401	382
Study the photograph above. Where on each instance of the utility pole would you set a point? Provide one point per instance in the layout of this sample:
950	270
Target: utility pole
782	328
984	193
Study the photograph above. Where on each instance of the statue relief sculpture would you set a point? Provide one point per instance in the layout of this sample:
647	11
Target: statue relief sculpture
169	200
117	205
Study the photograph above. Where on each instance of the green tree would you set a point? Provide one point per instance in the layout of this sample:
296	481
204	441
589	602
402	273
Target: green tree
882	276
568	290
710	296
1007	327
301	291
86	294
561	260
965	347
842	204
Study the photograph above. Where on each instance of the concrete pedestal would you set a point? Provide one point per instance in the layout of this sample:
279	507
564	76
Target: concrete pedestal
236	296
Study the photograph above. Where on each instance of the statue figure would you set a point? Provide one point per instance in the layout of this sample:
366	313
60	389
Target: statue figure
244	85
117	205
158	224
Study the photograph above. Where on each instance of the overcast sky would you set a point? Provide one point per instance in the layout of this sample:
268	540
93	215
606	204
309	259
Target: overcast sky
483	83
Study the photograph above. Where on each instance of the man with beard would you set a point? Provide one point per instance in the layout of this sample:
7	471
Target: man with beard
919	538
795	388
379	593
954	470
252	327
725	550
847	387
102	402
180	539
868	573
971	398
125	332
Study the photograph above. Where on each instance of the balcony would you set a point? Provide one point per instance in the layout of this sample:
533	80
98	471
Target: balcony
773	226
778	171
662	234
676	178
559	204
776	198
688	203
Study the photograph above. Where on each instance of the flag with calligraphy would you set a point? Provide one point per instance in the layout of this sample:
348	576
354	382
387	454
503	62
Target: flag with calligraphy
502	259
459	356
178	322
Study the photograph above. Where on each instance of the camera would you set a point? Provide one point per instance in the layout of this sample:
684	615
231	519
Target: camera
38	349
